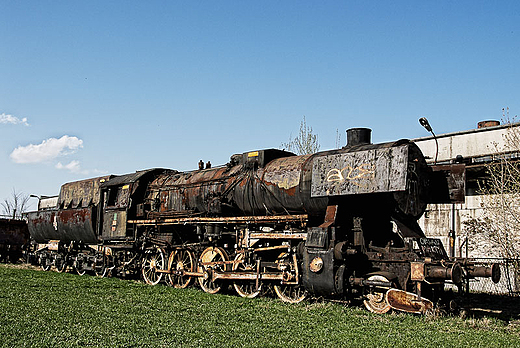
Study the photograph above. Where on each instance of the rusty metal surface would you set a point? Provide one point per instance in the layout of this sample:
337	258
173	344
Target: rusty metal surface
369	171
81	194
197	191
114	224
65	225
13	232
417	271
43	225
285	173
123	199
279	187
289	185
128	178
282	186
408	302
330	216
492	272
236	219
448	272
228	275
77	225
282	236
448	184
247	276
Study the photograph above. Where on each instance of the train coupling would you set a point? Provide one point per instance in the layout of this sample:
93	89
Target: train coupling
421	271
492	272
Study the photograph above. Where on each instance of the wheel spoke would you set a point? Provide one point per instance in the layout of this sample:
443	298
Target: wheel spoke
45	263
211	255
61	264
104	266
246	288
153	260
290	293
180	261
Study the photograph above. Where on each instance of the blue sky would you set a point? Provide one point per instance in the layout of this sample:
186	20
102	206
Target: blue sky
95	87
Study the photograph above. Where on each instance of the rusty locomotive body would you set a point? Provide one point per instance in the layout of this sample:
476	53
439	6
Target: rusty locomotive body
340	223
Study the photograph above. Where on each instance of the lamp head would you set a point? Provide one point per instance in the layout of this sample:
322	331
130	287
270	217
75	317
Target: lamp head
424	122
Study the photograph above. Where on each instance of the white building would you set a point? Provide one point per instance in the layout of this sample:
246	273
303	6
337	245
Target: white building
476	148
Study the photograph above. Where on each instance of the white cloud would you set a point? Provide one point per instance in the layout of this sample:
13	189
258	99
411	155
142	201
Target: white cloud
73	166
10	119
49	149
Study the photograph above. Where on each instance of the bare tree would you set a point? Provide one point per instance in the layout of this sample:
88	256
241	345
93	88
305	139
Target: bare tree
305	143
338	139
15	205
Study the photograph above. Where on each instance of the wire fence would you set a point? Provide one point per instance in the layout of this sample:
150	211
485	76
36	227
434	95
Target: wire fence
509	283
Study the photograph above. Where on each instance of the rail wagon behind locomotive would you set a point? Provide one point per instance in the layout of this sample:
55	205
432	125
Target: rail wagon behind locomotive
340	223
14	237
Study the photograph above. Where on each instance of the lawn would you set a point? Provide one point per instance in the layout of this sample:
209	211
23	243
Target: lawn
48	309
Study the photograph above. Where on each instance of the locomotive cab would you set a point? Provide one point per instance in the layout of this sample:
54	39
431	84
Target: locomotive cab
120	197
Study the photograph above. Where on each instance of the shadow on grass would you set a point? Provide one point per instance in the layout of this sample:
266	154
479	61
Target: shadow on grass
502	307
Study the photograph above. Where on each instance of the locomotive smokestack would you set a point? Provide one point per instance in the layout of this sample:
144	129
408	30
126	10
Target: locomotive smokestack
358	136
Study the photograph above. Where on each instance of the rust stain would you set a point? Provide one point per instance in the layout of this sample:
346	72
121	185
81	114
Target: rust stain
407	301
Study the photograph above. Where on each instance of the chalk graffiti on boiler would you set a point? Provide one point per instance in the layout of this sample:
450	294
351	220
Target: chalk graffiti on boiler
364	171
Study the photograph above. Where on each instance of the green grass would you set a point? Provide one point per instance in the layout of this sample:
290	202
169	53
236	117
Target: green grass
48	309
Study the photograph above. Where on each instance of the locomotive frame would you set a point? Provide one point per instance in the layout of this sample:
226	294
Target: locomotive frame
340	224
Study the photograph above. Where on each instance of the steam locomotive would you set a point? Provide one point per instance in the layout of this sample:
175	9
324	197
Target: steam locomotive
339	223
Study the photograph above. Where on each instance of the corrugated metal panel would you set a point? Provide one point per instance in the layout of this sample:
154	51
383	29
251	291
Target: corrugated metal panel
81	194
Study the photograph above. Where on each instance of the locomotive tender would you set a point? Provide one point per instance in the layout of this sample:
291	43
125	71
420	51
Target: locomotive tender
339	223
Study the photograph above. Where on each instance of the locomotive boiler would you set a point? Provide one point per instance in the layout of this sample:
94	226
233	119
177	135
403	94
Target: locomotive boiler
339	223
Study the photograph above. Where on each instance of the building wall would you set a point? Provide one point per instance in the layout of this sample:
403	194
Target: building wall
437	222
477	147
474	143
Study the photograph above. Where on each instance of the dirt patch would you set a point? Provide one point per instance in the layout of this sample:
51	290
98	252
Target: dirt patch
21	266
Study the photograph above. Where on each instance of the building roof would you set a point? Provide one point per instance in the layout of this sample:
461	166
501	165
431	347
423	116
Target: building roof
471	146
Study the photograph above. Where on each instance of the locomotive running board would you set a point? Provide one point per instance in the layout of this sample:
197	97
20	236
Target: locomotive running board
216	220
408	302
